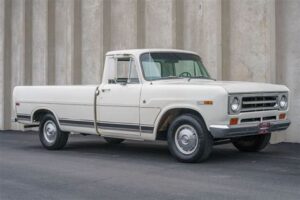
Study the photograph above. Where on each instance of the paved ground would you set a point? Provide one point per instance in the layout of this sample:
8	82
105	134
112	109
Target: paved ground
88	168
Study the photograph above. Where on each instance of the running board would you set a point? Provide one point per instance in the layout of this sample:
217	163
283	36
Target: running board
220	142
31	125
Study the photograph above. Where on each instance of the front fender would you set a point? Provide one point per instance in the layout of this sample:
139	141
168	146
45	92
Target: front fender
163	111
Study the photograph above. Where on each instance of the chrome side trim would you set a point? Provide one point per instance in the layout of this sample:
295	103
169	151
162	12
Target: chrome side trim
107	125
23	117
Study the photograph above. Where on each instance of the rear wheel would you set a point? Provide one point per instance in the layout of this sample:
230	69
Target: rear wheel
188	139
252	143
113	140
51	136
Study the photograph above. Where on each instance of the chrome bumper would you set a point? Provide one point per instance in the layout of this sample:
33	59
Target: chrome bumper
227	131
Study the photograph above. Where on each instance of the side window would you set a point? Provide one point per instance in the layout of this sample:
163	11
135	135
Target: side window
133	74
126	71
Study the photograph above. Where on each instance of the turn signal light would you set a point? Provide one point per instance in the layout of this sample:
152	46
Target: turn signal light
208	102
282	116
234	121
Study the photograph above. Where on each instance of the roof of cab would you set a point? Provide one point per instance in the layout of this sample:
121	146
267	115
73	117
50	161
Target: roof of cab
138	52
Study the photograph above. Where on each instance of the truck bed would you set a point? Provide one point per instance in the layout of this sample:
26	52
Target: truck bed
66	102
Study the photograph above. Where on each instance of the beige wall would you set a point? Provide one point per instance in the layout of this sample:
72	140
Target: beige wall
64	41
288	58
1	63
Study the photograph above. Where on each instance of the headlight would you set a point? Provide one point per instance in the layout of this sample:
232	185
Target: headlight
235	104
283	102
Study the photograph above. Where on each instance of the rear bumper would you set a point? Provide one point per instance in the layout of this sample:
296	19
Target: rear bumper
227	131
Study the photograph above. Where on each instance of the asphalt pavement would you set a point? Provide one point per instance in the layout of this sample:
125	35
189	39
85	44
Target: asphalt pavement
88	168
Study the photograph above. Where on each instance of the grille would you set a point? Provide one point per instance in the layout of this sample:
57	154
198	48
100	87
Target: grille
258	119
250	120
259	103
269	118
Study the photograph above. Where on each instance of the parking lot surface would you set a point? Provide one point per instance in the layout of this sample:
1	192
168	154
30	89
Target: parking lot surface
88	168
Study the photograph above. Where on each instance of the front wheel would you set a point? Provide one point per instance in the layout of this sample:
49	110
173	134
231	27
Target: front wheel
188	139
252	143
51	137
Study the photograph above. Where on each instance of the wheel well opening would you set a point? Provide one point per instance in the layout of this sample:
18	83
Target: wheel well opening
169	116
38	115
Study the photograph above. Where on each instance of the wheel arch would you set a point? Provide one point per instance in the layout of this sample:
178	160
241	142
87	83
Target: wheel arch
38	113
168	115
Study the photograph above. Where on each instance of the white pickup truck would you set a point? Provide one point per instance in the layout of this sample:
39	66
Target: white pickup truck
157	94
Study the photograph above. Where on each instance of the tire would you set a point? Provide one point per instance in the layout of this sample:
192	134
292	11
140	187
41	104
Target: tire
51	137
188	139
254	143
113	140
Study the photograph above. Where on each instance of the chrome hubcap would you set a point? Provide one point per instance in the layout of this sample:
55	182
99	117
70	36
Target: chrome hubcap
186	139
50	131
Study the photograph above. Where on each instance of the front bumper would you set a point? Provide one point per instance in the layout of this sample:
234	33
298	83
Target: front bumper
227	131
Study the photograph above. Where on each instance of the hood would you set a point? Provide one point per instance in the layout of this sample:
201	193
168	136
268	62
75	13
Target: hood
231	86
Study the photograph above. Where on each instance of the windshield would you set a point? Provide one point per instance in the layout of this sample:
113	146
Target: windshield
157	66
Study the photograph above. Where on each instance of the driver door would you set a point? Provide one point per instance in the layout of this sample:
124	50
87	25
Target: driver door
119	100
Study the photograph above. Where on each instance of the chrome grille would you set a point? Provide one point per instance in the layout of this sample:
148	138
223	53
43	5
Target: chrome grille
259	103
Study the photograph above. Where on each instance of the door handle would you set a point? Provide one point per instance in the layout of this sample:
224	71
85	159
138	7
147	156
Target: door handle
105	90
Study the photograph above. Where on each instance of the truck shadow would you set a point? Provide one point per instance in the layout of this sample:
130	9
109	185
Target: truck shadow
151	153
157	152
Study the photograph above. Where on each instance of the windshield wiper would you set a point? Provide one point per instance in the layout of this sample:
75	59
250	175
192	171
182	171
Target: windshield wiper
171	77
199	77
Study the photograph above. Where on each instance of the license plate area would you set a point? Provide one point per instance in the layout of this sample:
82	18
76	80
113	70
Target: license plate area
264	128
